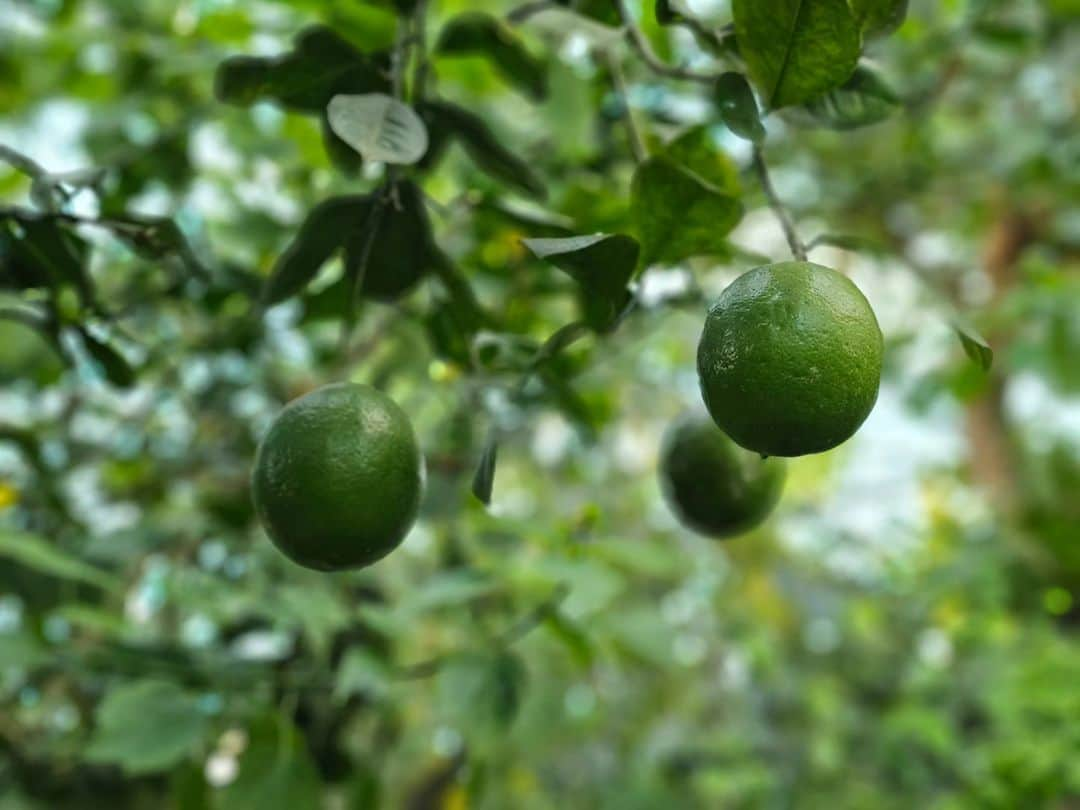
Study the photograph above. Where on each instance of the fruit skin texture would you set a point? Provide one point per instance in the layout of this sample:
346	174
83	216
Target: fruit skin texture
714	486
338	478
790	359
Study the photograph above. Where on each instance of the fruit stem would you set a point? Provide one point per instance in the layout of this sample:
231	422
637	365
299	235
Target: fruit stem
798	249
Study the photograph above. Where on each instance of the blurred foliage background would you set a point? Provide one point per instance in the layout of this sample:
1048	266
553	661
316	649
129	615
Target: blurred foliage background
902	633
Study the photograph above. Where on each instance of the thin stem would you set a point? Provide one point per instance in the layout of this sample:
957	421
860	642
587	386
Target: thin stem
798	249
642	45
637	144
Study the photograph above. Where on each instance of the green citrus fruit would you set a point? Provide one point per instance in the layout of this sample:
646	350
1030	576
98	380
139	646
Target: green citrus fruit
338	478
790	359
713	485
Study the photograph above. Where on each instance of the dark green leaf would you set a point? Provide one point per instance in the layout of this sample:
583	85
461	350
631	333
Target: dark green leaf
796	49
862	100
321	235
447	122
484	478
482	690
738	108
572	636
678	215
320	66
665	14
276	770
878	17
696	151
38	251
475	32
117	370
402	250
147	726
975	345
602	265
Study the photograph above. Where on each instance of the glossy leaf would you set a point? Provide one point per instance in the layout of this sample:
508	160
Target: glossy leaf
678	214
862	100
147	726
738	107
379	127
476	32
601	264
448	122
796	49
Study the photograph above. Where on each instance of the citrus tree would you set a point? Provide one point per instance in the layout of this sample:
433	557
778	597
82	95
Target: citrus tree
381	378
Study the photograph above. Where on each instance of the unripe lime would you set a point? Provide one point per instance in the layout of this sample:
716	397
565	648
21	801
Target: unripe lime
338	478
790	359
714	486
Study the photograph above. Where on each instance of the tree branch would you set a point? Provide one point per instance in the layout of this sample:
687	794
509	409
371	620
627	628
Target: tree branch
798	249
641	44
637	144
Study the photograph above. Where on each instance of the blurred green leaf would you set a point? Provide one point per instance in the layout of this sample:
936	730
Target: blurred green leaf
42	555
276	770
482	690
796	49
602	264
449	122
147	726
322	234
878	17
476	32
975	345
484	478
862	100
113	364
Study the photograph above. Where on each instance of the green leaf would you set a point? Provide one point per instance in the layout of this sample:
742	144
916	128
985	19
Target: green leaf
379	127
679	215
475	32
975	345
46	557
696	150
402	250
602	265
147	726
862	100
447	122
320	66
738	107
484	478
116	368
666	14
878	17
572	636
276	770
37	251
482	690
321	235
796	49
